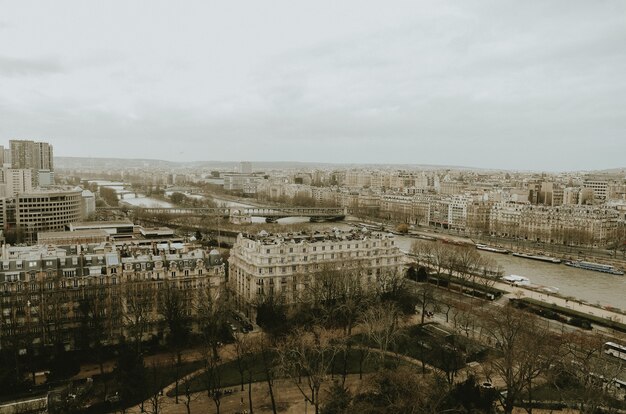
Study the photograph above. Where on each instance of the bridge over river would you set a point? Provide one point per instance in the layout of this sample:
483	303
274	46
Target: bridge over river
270	213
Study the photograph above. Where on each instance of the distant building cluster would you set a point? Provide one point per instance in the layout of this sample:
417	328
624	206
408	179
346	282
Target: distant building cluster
581	210
29	200
26	165
571	208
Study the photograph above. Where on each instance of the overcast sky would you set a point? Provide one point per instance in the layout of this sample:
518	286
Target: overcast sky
502	84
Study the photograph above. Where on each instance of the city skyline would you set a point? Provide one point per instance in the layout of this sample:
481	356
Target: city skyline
496	85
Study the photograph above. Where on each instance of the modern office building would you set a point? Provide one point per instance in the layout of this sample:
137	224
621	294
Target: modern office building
51	210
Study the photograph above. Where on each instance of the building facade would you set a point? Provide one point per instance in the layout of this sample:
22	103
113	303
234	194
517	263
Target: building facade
37	211
286	265
571	225
46	292
32	155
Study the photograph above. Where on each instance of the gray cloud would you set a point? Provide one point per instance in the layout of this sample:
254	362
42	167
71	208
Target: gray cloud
29	67
532	85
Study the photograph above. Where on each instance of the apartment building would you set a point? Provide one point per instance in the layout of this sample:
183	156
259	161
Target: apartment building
44	291
17	181
285	265
578	225
32	155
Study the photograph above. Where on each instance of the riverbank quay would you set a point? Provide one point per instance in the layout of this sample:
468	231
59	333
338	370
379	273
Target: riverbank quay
554	311
611	318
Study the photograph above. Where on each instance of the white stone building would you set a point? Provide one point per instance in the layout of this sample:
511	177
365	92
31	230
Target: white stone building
284	265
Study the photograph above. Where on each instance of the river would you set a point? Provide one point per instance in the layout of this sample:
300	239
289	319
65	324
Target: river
131	197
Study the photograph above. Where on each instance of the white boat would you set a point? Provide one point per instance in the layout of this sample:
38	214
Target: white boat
492	249
517	280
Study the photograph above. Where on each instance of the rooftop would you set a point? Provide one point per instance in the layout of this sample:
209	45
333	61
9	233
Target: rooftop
313	237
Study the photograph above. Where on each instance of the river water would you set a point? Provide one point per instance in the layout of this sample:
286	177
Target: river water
135	199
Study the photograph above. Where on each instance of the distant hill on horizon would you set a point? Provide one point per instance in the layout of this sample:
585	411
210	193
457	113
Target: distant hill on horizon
97	163
88	162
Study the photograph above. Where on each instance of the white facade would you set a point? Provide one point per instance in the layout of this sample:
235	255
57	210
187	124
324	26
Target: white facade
284	264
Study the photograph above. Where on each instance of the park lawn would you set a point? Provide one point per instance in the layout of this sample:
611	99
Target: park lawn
230	376
156	378
569	393
444	352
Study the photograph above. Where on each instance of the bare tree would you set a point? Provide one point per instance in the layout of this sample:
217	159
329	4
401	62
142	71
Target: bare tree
212	378
190	397
138	303
243	355
591	369
173	309
526	347
436	255
308	354
465	261
263	346
380	323
212	312
427	299
157	398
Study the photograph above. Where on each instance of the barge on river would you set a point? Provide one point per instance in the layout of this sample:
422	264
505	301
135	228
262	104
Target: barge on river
594	266
538	257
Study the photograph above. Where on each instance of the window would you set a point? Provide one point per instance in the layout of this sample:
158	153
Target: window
173	274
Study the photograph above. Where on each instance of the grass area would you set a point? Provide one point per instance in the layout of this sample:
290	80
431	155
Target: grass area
572	393
537	304
156	378
230	376
447	353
